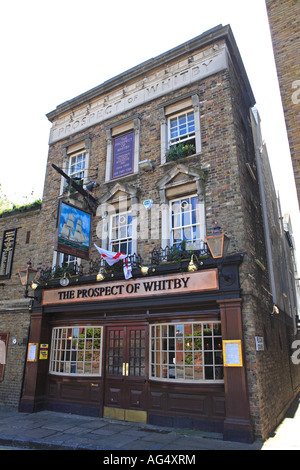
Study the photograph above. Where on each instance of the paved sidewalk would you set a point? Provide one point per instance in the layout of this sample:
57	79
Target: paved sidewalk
57	431
49	430
287	434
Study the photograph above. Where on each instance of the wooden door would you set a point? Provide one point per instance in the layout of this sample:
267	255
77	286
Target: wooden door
126	372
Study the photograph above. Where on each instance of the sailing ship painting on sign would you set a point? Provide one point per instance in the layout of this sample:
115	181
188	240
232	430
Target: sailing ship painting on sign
74	226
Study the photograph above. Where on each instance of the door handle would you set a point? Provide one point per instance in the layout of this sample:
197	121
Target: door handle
125	369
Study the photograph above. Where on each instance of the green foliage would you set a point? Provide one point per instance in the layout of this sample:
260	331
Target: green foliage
20	207
180	151
7	206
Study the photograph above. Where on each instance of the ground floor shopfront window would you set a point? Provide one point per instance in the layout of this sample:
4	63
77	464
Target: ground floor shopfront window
181	351
76	350
187	352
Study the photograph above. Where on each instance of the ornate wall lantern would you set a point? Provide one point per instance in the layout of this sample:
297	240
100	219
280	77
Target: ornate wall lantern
218	243
27	278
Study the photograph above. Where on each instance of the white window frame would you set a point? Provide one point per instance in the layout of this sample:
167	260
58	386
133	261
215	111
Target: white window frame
81	173
113	242
60	258
173	108
190	245
71	149
159	352
188	135
67	356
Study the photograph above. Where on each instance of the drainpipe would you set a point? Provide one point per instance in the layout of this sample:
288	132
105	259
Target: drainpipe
259	147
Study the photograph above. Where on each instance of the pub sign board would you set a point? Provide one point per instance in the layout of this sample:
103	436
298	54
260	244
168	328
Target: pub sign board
206	280
73	233
7	253
123	155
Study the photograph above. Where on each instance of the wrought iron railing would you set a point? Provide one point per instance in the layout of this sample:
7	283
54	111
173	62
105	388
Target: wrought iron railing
93	267
57	272
135	260
177	254
159	255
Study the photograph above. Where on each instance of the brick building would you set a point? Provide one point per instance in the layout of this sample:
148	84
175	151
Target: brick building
144	165
19	231
284	20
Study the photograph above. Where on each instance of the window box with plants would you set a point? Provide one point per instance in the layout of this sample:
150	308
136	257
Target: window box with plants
180	151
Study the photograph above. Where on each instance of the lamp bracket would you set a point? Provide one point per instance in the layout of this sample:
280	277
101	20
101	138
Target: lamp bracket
228	277
38	298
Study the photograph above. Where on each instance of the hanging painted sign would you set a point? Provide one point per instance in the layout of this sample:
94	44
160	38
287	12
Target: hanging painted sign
73	231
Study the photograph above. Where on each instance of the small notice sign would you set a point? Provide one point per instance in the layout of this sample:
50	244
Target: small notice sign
259	343
43	351
232	353
123	155
32	352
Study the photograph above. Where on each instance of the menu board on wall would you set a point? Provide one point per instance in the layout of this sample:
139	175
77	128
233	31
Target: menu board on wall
7	253
32	353
232	353
123	155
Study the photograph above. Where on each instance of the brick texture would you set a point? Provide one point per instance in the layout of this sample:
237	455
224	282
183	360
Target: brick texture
284	20
14	313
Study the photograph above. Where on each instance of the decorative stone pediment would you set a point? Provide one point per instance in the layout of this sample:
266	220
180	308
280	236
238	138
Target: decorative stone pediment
120	192
181	180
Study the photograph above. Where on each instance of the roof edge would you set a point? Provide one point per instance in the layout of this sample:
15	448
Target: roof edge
205	38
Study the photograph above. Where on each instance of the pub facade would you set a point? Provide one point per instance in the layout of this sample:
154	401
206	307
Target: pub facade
140	315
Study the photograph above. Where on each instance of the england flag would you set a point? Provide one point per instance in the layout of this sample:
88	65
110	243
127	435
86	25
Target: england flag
111	258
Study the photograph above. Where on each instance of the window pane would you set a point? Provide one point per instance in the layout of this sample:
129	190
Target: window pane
181	128
187	234
187	351
179	330
188	327
189	373
78	353
217	329
121	233
209	374
77	165
219	373
172	330
198	373
207	343
179	358
197	329
191	122
185	221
